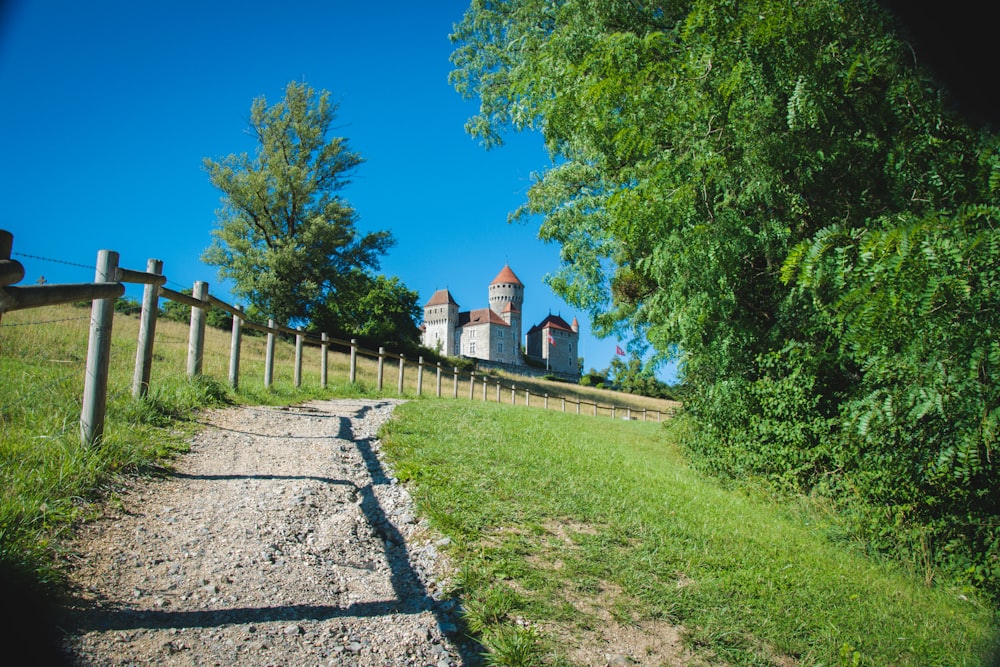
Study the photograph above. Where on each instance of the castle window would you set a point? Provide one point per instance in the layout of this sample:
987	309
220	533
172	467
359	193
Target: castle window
499	347
472	347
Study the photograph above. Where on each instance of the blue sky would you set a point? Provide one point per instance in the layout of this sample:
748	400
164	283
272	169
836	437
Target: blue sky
109	107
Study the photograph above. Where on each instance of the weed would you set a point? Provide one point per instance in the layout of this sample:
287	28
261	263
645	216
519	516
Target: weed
488	609
513	646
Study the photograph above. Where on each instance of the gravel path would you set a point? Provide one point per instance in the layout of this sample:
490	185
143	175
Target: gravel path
281	539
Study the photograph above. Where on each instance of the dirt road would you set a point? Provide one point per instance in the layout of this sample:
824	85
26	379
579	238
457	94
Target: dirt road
280	539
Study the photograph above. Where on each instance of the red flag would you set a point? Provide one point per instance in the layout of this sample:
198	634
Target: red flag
552	341
619	350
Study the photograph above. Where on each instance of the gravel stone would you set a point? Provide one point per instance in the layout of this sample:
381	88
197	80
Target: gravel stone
281	538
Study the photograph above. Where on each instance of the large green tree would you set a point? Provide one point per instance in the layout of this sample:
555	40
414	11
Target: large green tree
781	191
285	236
378	311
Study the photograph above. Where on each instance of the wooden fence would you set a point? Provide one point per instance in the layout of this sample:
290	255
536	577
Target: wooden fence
109	285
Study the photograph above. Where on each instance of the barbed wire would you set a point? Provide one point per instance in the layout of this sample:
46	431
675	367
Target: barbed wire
36	322
179	286
56	261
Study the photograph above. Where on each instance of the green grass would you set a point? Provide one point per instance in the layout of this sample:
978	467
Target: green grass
572	523
49	481
561	525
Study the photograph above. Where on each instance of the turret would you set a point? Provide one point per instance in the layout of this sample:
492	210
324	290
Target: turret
506	299
506	288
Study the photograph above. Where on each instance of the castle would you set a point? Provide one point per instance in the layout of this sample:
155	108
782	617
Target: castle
494	333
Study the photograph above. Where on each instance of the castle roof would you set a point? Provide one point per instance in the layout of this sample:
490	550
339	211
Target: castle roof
506	276
551	322
480	316
440	298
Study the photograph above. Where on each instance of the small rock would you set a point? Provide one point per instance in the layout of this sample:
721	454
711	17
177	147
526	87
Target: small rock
294	630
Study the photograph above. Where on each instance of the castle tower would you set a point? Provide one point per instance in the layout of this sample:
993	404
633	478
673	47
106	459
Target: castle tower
440	320
506	299
506	288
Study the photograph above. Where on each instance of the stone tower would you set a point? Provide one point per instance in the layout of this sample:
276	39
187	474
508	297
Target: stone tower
440	320
506	299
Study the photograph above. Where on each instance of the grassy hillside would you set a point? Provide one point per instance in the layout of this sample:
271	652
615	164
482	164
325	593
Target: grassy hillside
567	531
564	528
47	478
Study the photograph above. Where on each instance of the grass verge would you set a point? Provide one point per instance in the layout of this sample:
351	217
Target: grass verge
48	479
576	536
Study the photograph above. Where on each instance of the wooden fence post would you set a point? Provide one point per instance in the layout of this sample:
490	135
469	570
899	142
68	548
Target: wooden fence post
454	383
513	394
472	385
234	350
196	339
298	357
439	379
484	389
612	411
269	357
420	374
578	406
95	388
595	408
381	366
628	412
564	404
354	360
147	332
12	271
546	401
527	397
498	390
324	348
399	383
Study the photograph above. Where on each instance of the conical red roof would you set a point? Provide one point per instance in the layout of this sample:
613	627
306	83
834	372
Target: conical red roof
506	276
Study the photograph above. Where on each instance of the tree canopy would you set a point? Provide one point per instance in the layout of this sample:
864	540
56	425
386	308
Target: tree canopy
288	239
284	234
782	192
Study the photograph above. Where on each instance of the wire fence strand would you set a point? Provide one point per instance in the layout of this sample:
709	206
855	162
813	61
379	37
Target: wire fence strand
55	261
38	322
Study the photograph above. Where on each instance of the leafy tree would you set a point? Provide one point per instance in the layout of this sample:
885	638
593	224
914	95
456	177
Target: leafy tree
179	312
632	377
782	191
378	311
285	236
